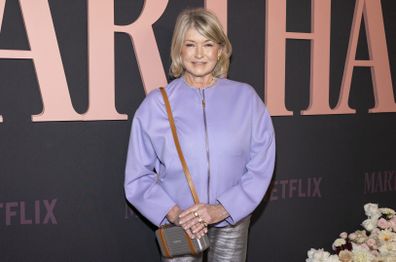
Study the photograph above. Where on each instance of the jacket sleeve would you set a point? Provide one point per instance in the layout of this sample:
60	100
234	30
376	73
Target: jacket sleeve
241	199
142	187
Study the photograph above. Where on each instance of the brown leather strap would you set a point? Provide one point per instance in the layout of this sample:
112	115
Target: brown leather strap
164	243
178	148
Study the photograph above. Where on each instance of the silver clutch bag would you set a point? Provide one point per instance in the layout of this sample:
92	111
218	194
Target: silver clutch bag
174	241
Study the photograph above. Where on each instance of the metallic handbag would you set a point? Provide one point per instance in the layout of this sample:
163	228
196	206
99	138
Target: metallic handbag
173	240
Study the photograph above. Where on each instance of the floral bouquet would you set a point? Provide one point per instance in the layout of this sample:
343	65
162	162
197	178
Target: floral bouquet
376	243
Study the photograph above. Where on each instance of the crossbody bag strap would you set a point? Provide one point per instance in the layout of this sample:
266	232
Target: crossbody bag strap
178	148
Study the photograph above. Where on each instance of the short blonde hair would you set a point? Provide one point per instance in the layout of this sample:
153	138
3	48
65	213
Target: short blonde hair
208	25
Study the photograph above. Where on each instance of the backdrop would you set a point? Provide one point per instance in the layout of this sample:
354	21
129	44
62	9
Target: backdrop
73	72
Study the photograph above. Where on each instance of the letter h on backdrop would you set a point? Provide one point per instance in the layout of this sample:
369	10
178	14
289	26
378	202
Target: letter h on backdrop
276	36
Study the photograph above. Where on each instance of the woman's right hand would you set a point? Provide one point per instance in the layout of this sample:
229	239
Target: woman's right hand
173	217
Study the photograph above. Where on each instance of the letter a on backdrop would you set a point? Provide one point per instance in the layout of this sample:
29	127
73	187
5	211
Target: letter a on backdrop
47	61
371	11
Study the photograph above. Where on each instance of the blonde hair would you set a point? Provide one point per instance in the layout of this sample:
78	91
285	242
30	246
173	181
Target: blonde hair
208	25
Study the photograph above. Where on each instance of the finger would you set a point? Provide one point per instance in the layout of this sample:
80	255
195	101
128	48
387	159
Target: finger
188	224
191	220
191	223
188	221
197	228
206	219
187	218
203	231
188	211
190	234
200	234
191	209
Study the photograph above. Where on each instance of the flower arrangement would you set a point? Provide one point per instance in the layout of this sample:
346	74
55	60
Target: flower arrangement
376	243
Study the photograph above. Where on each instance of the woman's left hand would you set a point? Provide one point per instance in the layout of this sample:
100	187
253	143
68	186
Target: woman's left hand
202	214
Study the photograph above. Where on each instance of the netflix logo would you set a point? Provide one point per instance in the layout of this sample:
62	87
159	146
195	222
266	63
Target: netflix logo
296	188
28	212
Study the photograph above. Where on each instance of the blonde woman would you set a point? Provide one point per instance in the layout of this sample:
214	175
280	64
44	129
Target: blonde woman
226	135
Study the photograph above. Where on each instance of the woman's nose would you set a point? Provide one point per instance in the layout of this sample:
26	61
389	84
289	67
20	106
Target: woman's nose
198	52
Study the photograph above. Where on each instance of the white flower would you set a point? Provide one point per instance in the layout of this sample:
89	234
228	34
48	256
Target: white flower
372	210
359	236
387	259
386	236
338	242
344	235
388	249
333	258
369	224
352	236
375	232
361	254
387	211
317	255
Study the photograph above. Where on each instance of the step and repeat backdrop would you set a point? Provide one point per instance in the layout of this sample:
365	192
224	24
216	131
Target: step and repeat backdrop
73	72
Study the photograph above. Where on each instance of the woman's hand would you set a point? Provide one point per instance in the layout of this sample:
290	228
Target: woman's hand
173	217
197	217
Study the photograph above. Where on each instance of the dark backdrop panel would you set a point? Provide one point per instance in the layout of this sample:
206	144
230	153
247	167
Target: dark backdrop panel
61	183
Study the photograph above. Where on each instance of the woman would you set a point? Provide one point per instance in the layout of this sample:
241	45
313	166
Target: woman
226	136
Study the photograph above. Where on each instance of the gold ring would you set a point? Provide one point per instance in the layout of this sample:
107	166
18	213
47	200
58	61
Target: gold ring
200	220
196	214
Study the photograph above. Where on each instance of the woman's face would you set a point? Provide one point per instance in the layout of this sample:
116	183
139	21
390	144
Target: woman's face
199	54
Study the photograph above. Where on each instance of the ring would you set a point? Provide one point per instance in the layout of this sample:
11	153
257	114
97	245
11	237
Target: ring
196	214
200	220
205	224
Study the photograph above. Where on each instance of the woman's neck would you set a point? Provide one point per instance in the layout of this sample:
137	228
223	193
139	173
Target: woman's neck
199	82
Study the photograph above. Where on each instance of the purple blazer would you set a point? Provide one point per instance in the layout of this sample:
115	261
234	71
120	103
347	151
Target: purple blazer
227	138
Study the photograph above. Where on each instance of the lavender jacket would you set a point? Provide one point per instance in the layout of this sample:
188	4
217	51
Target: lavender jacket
227	138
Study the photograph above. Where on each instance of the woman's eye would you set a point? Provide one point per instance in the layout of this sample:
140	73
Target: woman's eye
209	45
189	45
